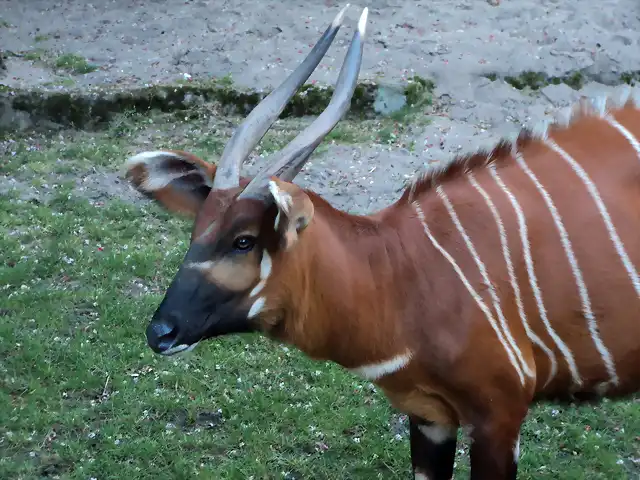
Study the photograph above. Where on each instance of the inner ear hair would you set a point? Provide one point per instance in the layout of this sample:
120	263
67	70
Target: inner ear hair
177	180
295	211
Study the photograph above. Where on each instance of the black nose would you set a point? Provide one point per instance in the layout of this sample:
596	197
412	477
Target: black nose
162	333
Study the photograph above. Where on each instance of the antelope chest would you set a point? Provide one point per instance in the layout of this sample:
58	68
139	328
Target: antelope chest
423	403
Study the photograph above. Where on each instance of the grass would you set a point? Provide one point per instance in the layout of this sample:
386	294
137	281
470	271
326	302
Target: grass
83	397
74	64
66	62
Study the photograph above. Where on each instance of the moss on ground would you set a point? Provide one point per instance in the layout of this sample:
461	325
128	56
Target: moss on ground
88	109
536	80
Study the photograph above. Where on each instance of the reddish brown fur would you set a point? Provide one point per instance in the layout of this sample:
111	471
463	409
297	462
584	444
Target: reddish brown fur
383	287
363	289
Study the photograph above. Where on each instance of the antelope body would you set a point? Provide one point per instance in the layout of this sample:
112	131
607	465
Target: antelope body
501	279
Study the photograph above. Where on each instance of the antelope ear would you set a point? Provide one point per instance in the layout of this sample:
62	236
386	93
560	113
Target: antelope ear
177	180
295	211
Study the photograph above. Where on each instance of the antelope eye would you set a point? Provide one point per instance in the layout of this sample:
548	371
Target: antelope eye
244	243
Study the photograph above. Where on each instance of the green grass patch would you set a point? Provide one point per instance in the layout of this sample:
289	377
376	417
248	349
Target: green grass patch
83	397
74	64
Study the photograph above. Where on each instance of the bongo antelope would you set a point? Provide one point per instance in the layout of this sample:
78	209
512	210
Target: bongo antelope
503	278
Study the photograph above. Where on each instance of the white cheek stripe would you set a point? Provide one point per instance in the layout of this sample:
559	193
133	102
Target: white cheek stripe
277	222
582	288
516	450
512	276
485	276
533	281
374	371
470	289
257	307
265	271
438	433
201	266
420	476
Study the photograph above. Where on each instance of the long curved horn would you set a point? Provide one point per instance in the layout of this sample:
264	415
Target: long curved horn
288	162
251	131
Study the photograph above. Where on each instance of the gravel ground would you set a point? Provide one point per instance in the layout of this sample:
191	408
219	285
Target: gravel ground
454	42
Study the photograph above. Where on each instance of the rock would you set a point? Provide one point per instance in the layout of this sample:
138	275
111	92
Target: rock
389	99
560	95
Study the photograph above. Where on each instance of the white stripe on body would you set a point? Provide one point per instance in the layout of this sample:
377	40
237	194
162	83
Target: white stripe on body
611	229
577	273
627	134
470	289
485	276
533	281
512	278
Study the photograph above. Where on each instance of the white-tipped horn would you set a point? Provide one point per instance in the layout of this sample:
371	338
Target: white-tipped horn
258	122
286	163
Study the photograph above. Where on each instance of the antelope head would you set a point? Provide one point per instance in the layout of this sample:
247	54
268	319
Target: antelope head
244	229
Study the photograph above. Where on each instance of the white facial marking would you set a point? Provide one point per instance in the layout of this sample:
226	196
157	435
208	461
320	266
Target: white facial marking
471	290
265	271
282	198
577	272
421	476
201	266
438	433
516	450
374	371
180	349
257	307
526	247
512	276
277	222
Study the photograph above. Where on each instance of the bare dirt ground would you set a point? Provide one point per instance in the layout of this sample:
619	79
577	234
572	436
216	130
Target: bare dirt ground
454	42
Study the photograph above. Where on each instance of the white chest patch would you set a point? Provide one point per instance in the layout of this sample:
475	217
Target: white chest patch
374	371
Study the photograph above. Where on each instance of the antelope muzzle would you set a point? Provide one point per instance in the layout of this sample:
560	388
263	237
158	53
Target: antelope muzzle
193	310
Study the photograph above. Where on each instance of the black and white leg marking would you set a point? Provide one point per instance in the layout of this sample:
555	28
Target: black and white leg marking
433	449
